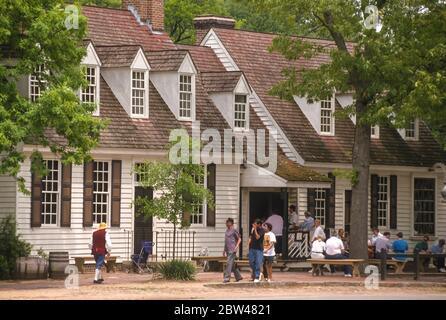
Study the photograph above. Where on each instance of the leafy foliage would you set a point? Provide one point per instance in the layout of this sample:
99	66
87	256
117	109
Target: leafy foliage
179	16
177	270
103	3
11	247
33	33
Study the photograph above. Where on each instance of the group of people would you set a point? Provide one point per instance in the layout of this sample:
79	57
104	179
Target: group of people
262	251
381	244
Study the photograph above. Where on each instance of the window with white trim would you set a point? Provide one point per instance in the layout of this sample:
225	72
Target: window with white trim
327	119
139	93
89	94
185	111
320	205
374	132
50	193
383	201
240	111
101	191
37	83
198	209
411	130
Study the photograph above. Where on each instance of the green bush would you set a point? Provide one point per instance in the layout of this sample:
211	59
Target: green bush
11	247
177	270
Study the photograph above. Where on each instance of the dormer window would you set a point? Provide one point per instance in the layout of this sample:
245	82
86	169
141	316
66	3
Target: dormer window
90	93
374	132
139	93
327	118
411	131
186	97
240	111
37	83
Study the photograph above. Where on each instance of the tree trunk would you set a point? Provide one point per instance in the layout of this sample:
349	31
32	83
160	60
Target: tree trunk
360	190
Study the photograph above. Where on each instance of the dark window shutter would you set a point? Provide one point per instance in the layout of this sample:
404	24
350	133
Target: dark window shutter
36	200
116	193
393	201
88	194
374	201
211	182
330	203
311	201
65	208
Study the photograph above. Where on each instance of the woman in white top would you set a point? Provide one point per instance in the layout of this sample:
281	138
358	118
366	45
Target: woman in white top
318	248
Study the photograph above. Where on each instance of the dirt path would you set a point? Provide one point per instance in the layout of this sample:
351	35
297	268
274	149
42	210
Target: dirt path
207	286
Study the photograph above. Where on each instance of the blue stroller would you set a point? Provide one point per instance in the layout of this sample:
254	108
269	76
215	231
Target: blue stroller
140	260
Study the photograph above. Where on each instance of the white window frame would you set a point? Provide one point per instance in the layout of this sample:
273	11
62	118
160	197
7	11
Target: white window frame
245	112
437	200
97	87
45	183
330	117
383	210
374	131
34	82
415	131
320	205
202	207
192	96
108	193
145	90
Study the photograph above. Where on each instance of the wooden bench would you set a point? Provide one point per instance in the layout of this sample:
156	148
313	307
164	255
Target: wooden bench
110	263
245	263
207	261
399	265
354	263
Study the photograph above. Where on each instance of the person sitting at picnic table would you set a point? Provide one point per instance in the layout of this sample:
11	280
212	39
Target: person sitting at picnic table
423	248
345	240
375	236
277	223
439	261
293	218
318	231
335	250
382	245
269	240
308	223
400	246
255	254
318	248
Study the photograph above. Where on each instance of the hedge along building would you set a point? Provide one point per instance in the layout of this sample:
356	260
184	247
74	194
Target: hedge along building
145	86
407	173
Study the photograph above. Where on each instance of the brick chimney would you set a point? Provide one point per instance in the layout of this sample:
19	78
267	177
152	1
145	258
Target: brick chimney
204	23
148	10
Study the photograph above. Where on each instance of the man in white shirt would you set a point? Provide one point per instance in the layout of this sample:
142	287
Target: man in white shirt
376	234
277	223
293	218
335	250
319	231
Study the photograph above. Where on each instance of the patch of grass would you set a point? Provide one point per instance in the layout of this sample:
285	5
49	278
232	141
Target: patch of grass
177	270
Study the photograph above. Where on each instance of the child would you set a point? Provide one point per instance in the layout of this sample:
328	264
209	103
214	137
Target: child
269	253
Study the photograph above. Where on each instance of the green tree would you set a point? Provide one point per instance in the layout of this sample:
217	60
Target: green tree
33	33
181	190
396	71
180	16
103	3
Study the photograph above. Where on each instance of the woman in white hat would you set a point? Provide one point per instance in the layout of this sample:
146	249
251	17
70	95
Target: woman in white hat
100	246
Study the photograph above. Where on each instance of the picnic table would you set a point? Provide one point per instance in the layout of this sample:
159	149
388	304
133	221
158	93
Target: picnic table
110	263
354	263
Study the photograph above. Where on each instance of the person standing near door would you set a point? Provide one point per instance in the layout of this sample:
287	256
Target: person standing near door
277	223
100	246
256	249
232	243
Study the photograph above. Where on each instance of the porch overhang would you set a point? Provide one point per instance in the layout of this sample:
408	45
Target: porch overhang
288	175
